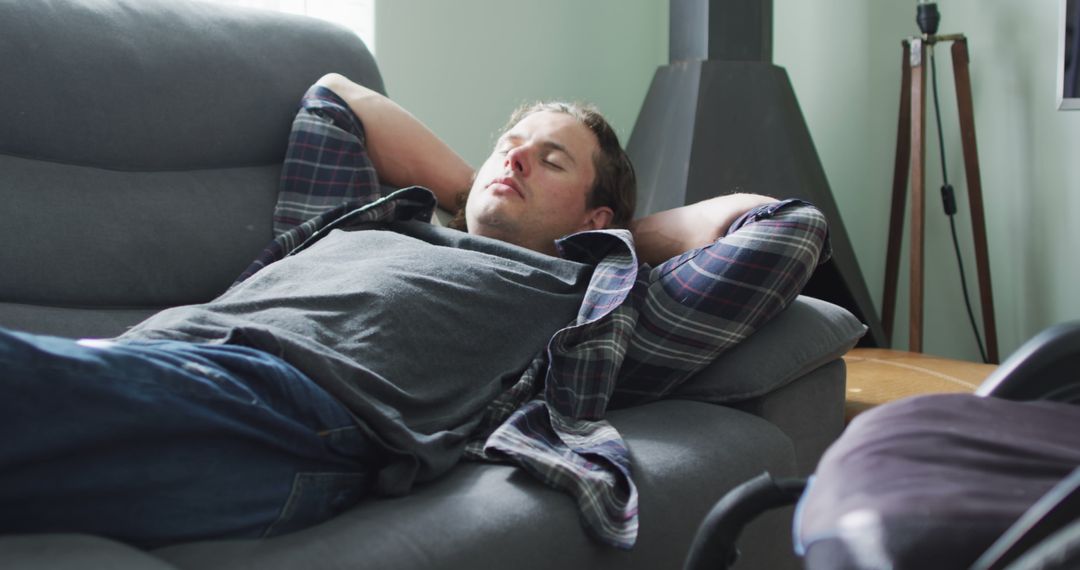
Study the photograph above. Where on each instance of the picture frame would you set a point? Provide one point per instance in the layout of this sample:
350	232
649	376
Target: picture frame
1068	64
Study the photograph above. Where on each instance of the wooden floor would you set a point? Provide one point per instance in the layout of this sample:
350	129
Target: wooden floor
876	376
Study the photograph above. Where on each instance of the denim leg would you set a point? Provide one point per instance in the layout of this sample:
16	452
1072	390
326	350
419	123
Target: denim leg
161	442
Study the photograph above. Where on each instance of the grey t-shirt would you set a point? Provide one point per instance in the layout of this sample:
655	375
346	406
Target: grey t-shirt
415	328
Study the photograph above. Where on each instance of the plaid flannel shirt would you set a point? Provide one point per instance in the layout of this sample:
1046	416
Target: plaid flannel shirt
640	331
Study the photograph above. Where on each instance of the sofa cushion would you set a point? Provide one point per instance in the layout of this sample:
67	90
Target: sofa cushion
143	134
686	455
806	335
131	239
71	322
162	85
73	552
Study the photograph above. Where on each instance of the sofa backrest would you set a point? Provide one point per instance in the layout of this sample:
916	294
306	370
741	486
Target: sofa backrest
140	144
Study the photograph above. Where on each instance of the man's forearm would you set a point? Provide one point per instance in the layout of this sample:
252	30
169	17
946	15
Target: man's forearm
404	151
663	235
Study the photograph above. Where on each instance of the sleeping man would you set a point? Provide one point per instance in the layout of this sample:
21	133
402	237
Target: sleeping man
368	350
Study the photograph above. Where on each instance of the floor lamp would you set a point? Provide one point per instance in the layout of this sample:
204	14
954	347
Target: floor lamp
911	135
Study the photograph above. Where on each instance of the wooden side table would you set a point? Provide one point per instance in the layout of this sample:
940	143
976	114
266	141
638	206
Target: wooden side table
876	376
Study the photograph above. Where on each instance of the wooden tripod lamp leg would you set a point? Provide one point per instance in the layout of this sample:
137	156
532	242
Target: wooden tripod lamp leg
974	184
918	194
899	197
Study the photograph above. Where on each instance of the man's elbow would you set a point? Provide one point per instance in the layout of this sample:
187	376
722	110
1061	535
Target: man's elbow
353	93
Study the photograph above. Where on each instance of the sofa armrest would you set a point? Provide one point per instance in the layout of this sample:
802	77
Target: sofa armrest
803	337
809	410
790	372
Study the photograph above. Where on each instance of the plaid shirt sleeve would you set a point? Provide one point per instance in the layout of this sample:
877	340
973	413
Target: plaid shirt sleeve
705	301
326	173
639	334
551	422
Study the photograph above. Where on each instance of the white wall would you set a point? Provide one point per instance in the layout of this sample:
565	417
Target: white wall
462	66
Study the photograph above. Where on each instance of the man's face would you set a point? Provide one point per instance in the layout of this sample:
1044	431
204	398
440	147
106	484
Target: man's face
532	189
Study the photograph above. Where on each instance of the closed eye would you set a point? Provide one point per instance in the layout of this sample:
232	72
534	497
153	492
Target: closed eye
553	165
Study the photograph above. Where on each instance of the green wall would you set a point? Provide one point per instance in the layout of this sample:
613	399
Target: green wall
462	66
847	79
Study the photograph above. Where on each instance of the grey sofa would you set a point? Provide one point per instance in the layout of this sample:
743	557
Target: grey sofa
140	144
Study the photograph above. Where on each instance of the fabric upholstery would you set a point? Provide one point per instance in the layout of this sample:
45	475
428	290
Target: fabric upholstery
807	334
933	480
130	239
138	166
74	552
810	411
161	108
141	134
71	322
681	463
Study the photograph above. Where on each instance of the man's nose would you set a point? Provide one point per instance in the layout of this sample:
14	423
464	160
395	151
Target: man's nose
517	160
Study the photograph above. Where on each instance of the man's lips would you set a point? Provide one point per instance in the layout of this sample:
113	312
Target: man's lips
506	182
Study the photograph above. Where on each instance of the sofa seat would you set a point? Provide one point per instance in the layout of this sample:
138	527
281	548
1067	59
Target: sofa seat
140	173
497	516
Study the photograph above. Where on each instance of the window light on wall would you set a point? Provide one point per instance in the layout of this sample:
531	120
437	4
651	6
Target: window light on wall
357	15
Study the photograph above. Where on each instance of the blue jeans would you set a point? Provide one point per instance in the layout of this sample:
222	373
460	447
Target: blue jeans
161	442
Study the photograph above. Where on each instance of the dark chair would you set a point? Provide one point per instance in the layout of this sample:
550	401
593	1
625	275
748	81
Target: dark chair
1046	535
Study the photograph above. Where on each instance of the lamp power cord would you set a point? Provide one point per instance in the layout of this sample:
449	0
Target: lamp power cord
948	199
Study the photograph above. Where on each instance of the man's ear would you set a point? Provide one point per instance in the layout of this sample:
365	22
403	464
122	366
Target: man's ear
597	218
